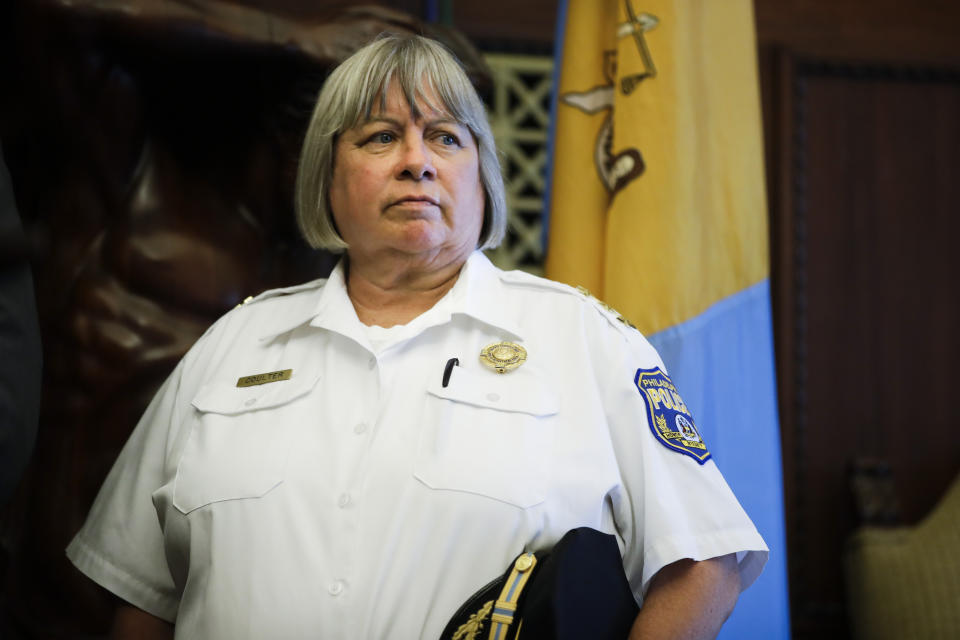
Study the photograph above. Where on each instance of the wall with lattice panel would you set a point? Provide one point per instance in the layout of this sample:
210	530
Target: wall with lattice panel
519	112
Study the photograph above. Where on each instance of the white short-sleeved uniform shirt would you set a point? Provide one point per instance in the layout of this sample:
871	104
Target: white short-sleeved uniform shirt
361	498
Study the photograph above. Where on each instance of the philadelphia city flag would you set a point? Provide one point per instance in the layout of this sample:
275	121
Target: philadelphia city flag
657	206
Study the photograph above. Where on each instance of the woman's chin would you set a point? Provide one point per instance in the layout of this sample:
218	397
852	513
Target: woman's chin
419	239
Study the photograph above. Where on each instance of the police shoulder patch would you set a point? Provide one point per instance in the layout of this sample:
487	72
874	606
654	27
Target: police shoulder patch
670	420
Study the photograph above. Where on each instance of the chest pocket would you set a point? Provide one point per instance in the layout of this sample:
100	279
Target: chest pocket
488	434
239	441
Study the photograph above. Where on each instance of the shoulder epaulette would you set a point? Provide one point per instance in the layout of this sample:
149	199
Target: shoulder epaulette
607	309
528	279
524	278
283	291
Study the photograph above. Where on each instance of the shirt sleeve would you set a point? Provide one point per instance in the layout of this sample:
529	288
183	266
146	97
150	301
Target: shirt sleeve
121	546
668	506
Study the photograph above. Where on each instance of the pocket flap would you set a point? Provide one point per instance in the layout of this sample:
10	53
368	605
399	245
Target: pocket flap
227	399
521	392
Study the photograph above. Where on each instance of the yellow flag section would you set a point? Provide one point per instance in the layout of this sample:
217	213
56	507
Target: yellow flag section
657	198
579	197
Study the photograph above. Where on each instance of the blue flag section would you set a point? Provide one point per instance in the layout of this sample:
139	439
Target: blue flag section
722	362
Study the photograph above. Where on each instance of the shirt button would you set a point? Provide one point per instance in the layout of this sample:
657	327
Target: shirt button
344	500
493	397
250	402
360	428
372	363
336	587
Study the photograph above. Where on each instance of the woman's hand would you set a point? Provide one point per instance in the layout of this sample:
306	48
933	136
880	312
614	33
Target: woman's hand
131	623
689	600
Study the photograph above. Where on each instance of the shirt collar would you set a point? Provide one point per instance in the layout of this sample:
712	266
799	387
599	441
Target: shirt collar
478	293
329	305
334	310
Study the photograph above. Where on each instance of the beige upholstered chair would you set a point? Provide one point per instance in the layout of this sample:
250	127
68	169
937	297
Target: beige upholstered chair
904	582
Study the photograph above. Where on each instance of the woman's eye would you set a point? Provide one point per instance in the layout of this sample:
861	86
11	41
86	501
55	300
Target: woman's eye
383	137
448	139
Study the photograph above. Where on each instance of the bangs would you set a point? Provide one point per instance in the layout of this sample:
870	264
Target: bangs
429	80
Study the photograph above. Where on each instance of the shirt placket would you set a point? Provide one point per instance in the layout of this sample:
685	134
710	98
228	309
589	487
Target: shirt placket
358	391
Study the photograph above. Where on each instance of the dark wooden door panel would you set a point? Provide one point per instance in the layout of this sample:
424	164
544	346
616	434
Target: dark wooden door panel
868	312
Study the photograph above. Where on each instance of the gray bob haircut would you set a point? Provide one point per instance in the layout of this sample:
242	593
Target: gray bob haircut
348	98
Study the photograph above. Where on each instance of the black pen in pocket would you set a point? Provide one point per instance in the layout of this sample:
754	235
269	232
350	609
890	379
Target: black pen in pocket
447	370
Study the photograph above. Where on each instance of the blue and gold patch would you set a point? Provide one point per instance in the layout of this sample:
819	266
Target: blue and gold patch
670	420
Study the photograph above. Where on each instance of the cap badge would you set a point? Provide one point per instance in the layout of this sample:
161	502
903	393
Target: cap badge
503	356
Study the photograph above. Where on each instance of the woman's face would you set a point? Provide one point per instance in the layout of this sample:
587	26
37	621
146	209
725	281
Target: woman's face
407	186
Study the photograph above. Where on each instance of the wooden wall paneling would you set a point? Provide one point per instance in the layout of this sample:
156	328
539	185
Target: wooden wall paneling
923	298
497	24
861	174
776	71
863	223
921	32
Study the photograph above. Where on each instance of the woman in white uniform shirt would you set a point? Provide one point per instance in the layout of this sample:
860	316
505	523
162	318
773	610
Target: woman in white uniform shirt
314	469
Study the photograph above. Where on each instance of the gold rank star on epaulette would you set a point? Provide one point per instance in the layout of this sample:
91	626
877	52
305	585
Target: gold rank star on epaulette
245	301
603	304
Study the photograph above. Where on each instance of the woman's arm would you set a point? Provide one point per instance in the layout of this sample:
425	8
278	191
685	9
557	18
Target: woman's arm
689	600
131	623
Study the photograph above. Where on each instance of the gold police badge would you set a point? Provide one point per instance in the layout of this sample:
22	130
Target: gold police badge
503	356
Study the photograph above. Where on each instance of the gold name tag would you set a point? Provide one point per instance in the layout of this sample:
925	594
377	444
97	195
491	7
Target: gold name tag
264	378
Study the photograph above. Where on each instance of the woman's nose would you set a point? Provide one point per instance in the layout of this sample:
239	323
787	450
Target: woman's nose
416	162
